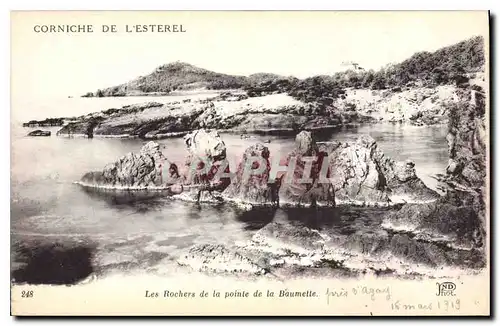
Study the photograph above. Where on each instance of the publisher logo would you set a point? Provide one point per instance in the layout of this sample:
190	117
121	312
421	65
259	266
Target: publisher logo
446	289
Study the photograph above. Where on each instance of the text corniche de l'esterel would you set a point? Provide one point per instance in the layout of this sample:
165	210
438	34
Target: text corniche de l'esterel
129	28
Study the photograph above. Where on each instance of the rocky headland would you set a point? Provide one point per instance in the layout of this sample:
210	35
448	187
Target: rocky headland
419	91
419	229
281	114
414	238
460	215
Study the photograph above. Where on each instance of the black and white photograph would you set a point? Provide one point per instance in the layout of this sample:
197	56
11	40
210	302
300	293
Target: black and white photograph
256	148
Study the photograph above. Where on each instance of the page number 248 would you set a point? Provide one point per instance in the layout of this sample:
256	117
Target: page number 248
26	294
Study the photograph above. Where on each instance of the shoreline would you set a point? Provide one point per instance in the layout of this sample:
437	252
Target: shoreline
285	132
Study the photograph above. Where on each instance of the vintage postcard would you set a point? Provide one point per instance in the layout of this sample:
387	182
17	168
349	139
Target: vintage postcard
271	163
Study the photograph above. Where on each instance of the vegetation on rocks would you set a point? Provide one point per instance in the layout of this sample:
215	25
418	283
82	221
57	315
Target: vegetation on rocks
452	65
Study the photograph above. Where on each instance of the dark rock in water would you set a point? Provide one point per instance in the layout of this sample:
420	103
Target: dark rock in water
217	258
39	133
361	172
295	189
84	128
351	172
206	164
144	169
355	172
249	185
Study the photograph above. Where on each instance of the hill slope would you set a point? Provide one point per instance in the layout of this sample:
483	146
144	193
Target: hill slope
451	65
170	77
454	64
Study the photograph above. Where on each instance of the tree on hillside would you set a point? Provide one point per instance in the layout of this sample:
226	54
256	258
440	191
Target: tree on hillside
368	79
379	81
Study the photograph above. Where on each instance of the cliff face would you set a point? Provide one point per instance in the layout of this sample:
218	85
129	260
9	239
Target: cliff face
467	139
467	144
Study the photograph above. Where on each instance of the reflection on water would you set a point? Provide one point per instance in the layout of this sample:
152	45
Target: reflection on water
47	208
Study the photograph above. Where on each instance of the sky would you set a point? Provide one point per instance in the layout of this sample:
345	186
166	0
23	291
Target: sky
289	43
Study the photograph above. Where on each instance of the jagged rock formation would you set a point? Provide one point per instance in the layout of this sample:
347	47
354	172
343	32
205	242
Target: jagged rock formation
467	140
293	189
205	144
356	173
207	160
142	170
361	172
250	186
293	237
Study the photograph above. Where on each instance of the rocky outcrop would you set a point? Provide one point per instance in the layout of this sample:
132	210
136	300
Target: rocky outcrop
289	236
310	175
271	114
281	249
268	114
419	106
205	144
358	172
461	214
276	247
50	122
467	140
251	182
441	219
214	258
142	170
362	172
411	252
39	133
316	190
145	120
352	173
206	163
